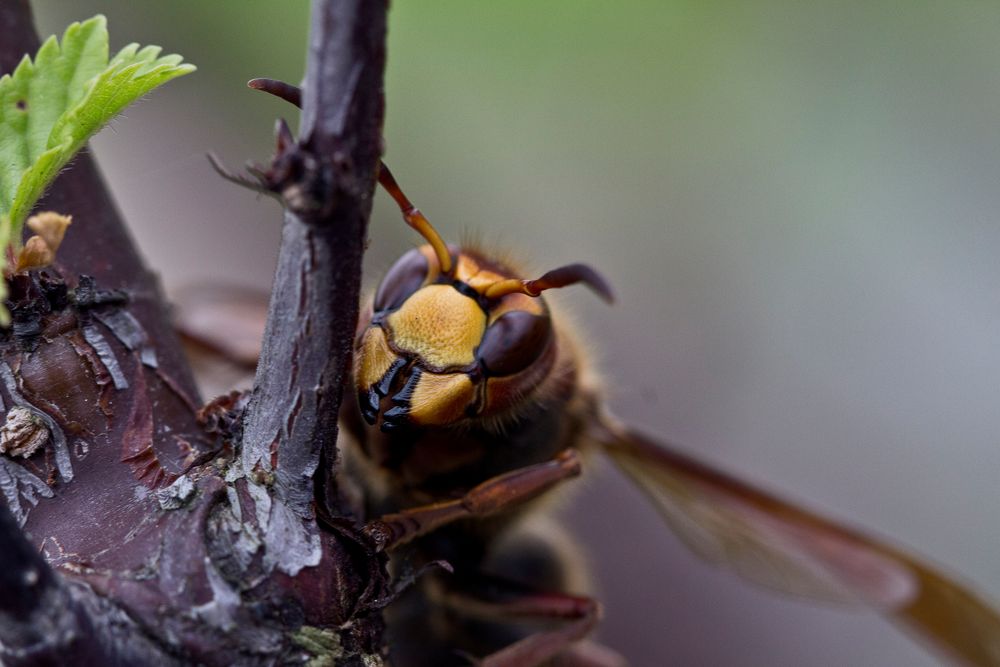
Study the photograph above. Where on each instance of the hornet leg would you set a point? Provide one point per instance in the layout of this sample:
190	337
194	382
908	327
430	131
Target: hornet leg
494	495
505	602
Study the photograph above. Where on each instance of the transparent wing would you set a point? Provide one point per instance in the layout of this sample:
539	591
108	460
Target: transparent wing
779	545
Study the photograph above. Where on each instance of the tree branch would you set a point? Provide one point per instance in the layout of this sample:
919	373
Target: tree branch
218	567
44	620
15	16
28	588
327	180
44	617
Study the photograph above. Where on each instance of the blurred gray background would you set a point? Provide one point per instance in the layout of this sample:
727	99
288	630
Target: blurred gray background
797	203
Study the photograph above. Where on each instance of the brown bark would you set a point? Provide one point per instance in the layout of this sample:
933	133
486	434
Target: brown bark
153	536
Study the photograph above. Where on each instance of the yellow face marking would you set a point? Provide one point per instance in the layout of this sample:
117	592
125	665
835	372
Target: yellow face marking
440	399
531	304
474	274
466	268
440	325
373	359
483	279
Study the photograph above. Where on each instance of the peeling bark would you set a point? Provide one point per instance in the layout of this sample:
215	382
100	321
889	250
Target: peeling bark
155	533
328	180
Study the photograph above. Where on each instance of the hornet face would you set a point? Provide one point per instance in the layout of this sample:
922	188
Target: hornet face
444	347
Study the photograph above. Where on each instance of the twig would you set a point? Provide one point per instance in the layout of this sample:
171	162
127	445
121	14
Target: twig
327	180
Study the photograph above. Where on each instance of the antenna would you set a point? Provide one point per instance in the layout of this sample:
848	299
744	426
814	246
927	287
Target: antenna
561	277
414	218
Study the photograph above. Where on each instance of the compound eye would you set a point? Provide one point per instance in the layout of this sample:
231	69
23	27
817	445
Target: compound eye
405	277
514	341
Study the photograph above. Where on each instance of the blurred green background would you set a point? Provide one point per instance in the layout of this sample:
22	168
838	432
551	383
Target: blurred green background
798	204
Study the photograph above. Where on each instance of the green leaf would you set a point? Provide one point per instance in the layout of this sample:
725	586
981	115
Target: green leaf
51	107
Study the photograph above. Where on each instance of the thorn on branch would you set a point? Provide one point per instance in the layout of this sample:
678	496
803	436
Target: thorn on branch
295	178
286	91
294	175
256	183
